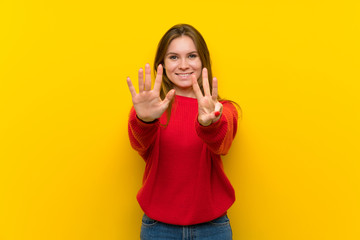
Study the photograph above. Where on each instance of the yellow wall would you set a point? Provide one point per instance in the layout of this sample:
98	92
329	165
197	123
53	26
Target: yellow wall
66	167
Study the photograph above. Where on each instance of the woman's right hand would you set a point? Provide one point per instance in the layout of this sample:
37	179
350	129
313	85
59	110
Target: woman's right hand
147	103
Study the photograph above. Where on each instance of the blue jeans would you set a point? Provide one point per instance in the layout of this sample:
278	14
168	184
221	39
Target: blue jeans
217	229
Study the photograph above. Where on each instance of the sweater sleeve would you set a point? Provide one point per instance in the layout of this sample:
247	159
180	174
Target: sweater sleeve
141	134
219	135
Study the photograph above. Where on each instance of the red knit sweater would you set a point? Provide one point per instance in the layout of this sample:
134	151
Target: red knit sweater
184	182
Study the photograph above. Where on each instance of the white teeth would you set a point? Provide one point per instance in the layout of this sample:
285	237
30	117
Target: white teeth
183	74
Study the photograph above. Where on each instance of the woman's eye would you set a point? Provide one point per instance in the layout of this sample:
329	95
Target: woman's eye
192	56
173	57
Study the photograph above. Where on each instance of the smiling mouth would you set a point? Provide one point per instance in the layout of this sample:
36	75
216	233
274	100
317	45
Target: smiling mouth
183	74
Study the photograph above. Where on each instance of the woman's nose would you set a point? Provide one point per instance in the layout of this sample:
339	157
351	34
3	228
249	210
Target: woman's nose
183	64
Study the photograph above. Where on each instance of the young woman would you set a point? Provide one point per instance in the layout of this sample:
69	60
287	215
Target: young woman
180	127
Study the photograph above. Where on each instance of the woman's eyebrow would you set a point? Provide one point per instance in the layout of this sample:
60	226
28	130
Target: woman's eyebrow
177	53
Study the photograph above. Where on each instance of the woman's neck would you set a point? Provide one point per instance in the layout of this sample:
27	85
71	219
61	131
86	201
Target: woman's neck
185	93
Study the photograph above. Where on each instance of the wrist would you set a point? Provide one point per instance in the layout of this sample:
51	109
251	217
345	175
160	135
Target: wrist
146	120
204	124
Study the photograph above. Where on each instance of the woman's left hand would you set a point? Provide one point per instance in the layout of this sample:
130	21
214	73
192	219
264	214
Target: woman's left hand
210	109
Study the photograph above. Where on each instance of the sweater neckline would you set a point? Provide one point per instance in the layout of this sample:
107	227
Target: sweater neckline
186	99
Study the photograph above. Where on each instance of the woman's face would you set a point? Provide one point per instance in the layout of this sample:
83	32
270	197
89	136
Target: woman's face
181	60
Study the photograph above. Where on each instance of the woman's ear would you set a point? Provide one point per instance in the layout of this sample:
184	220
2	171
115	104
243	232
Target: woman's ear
164	70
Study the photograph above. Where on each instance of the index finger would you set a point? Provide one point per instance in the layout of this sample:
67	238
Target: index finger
158	78
196	87
205	82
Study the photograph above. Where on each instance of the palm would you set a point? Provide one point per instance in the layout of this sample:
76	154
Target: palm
147	103
206	107
209	108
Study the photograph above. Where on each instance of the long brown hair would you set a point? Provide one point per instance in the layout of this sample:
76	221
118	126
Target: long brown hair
176	31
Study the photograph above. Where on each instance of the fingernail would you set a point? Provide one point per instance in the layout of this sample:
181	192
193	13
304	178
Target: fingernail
217	114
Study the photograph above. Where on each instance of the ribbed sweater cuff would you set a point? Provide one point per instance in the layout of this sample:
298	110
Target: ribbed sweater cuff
147	123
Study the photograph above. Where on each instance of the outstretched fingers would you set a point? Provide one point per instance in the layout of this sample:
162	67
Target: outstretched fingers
196	87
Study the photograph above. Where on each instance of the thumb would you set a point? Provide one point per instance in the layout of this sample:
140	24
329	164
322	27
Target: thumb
169	97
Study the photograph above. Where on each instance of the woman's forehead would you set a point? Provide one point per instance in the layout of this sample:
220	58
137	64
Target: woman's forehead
182	44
